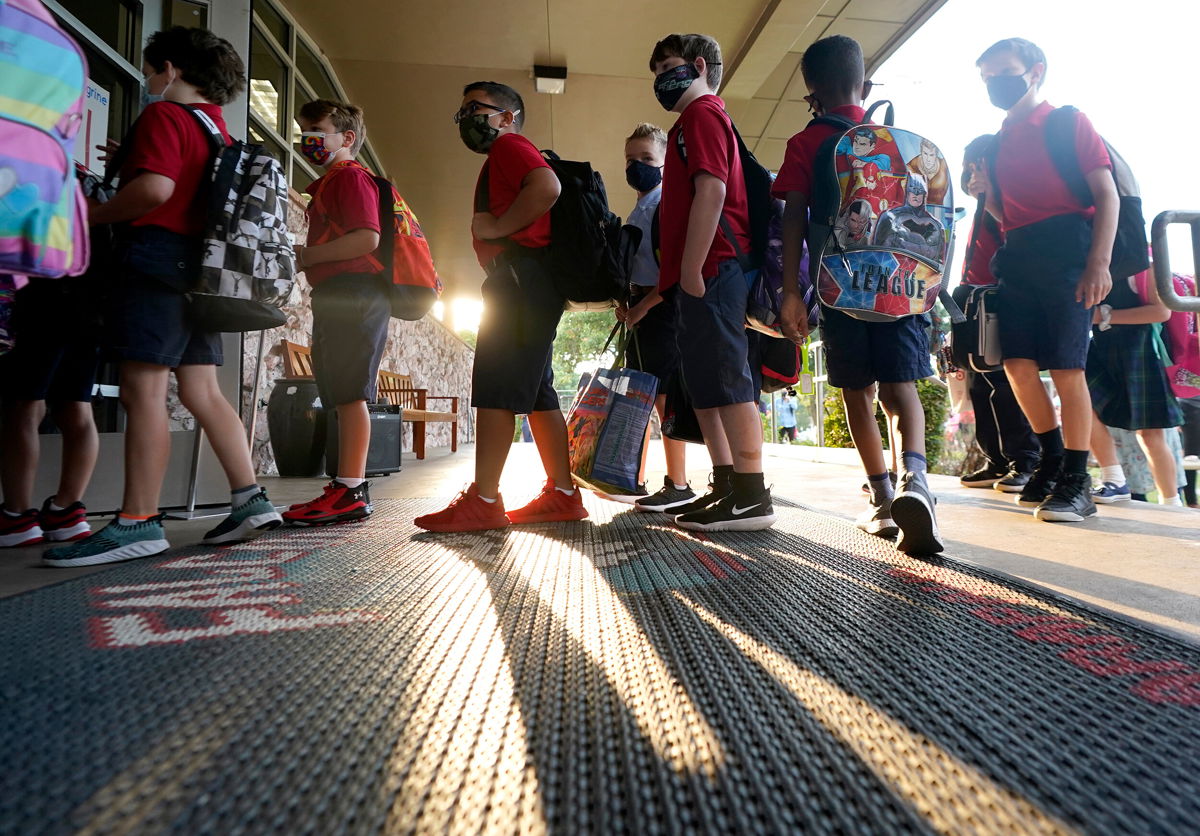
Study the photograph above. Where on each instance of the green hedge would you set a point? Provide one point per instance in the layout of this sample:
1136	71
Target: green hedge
934	398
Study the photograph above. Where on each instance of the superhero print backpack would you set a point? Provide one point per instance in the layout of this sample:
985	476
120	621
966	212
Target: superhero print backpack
881	219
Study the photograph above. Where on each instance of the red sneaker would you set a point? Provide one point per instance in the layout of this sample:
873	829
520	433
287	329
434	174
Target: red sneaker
466	513
551	505
337	504
20	531
63	526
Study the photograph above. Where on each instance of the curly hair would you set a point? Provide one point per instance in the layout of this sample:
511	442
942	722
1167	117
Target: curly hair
202	58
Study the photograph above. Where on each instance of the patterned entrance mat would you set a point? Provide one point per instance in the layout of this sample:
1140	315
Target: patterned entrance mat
611	675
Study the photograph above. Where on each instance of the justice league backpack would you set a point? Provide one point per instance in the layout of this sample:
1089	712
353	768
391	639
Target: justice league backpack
881	220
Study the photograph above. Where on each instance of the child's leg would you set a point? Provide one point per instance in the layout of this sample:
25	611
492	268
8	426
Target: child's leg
81	447
549	430
675	450
901	401
21	446
354	439
147	435
715	438
1076	406
860	419
1031	394
201	395
1162	462
493	438
1103	447
743	436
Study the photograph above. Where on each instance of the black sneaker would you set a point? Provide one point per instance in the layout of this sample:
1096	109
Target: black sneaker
668	497
731	515
1070	501
985	477
1014	481
1040	485
913	512
627	498
713	496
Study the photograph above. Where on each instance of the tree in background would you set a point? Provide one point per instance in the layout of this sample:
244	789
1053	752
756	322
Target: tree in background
580	339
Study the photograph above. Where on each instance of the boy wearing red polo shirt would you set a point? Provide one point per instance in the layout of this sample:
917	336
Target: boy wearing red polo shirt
861	356
350	308
704	220
512	374
1053	269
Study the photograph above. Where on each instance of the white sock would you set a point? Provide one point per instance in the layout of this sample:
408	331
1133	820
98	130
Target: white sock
349	482
12	515
491	501
241	496
1171	500
54	506
565	493
1114	474
679	487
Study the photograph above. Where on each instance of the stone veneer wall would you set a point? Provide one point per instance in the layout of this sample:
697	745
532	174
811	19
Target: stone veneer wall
436	359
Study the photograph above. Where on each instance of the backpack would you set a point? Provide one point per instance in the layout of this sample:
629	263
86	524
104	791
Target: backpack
403	256
1179	338
1129	255
43	215
873	255
247	269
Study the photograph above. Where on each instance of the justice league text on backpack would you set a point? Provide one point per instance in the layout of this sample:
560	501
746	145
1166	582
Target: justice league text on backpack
1129	253
43	216
881	220
247	269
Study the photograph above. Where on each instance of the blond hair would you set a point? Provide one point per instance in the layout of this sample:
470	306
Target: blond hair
647	131
344	116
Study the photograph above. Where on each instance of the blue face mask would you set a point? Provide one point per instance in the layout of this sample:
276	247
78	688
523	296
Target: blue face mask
149	98
642	176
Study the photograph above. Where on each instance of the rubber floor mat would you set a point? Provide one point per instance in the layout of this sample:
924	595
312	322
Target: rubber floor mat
606	676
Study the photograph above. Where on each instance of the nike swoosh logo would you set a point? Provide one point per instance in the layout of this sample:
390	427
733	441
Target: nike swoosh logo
737	512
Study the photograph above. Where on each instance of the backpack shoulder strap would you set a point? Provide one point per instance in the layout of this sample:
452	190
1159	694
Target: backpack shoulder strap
889	114
1060	143
215	137
482	196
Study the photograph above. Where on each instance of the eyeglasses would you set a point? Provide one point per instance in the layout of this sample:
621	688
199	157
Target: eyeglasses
471	108
315	134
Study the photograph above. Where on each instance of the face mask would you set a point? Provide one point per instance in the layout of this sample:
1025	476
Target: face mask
149	98
477	133
642	176
312	146
1004	91
669	86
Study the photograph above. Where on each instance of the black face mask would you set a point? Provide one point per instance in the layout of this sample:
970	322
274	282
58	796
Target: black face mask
642	176
670	85
1004	91
476	133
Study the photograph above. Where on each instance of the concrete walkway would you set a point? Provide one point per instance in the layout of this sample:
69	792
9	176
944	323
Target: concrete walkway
1136	559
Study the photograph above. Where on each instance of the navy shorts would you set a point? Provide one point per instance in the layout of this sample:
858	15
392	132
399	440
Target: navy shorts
712	340
514	349
653	348
350	327
860	353
55	325
146	318
1038	268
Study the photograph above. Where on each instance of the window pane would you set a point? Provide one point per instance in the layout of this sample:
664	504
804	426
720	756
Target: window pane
113	21
312	68
263	138
367	157
274	23
303	97
188	13
301	176
268	84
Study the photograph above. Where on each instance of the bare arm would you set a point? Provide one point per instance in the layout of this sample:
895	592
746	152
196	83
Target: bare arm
1153	311
793	317
539	191
1095	283
357	242
703	219
140	196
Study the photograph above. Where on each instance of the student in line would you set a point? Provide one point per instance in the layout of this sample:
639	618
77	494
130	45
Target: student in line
1053	270
512	373
161	205
349	302
704	214
861	356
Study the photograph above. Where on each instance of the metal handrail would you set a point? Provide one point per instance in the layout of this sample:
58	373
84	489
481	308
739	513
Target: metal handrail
1162	260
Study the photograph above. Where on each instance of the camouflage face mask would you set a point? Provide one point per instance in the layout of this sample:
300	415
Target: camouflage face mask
476	133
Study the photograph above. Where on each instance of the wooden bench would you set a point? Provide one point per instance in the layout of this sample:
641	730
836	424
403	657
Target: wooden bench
395	389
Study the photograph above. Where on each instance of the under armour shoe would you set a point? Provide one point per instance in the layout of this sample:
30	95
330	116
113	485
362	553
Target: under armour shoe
730	514
112	544
913	509
468	512
1013	482
667	497
877	520
337	504
253	517
1111	492
68	524
1070	501
711	497
985	477
551	505
1041	483
21	530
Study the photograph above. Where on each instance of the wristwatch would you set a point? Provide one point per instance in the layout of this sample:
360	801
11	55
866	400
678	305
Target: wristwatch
1105	318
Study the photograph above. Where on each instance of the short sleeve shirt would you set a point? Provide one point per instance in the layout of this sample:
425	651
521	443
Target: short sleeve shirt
168	140
796	173
345	198
510	159
645	263
711	147
1031	189
985	240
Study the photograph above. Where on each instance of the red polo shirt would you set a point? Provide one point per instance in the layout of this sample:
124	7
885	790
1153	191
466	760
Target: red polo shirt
711	148
1031	189
796	173
985	240
170	141
509	160
345	198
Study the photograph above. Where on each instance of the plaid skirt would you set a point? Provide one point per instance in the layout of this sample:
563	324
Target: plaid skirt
1128	381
